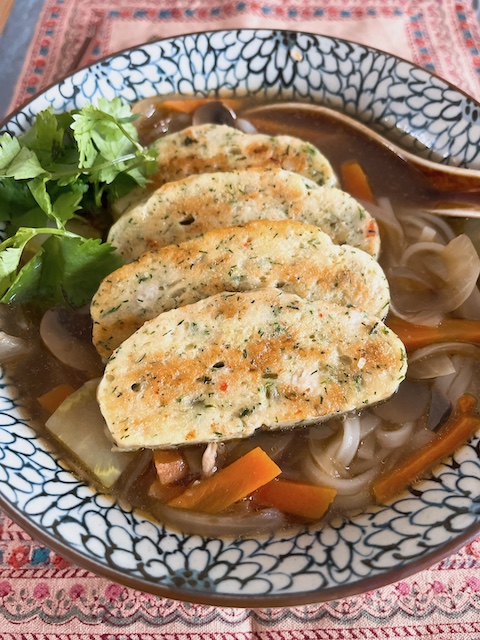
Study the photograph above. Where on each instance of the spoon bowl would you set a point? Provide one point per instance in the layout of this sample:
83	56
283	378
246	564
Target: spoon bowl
461	184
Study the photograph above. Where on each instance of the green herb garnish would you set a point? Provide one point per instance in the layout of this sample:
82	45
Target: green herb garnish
65	164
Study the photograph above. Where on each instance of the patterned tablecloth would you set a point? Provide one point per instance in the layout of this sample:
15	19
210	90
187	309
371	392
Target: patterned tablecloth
41	594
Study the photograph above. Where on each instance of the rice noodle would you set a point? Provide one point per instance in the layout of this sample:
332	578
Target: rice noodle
335	455
395	438
344	486
350	441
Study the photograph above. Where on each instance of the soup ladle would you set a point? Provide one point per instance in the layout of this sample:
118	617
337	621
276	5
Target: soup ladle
444	178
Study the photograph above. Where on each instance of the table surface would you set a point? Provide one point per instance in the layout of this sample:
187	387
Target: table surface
42	595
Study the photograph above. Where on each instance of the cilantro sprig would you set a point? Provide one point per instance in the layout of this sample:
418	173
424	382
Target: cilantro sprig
64	168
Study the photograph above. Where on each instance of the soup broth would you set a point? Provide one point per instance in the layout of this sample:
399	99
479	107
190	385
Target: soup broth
346	454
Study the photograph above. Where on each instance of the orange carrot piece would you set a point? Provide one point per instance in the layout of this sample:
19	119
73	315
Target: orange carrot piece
458	429
170	465
51	400
415	336
190	104
297	498
355	181
227	486
183	106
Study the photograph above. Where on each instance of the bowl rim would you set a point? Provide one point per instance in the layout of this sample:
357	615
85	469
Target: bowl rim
359	586
110	56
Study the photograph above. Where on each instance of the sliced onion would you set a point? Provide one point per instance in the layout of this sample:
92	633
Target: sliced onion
191	522
390	227
408	404
63	338
471	307
418	220
428	362
12	347
421	247
426	317
447	389
463	265
454	277
461	382
429	368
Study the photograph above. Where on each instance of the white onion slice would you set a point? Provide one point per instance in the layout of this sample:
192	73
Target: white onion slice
12	347
428	362
429	368
66	346
420	219
204	524
454	274
408	404
470	309
463	266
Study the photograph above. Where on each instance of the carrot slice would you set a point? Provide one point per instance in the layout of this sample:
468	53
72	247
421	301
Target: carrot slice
415	336
227	486
170	465
51	400
297	498
355	181
458	429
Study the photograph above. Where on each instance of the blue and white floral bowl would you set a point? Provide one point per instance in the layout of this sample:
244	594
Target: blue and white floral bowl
311	564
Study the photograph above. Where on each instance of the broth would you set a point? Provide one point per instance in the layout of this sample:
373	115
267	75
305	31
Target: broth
400	188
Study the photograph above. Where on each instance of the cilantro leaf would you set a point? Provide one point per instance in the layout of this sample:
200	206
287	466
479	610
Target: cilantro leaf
16	161
107	141
65	165
66	271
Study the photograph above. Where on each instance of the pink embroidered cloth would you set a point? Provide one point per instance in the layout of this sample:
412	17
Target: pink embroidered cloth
42	596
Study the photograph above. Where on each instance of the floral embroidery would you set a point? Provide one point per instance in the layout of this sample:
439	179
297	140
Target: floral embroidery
114	591
41	590
76	591
18	557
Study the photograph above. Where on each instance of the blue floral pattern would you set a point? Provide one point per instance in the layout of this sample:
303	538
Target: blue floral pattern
308	564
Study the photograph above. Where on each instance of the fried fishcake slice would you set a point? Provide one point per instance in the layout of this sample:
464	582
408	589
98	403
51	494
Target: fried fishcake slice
235	362
287	254
185	209
211	148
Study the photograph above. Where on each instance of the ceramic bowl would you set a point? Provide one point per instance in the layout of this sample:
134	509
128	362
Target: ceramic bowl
307	564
